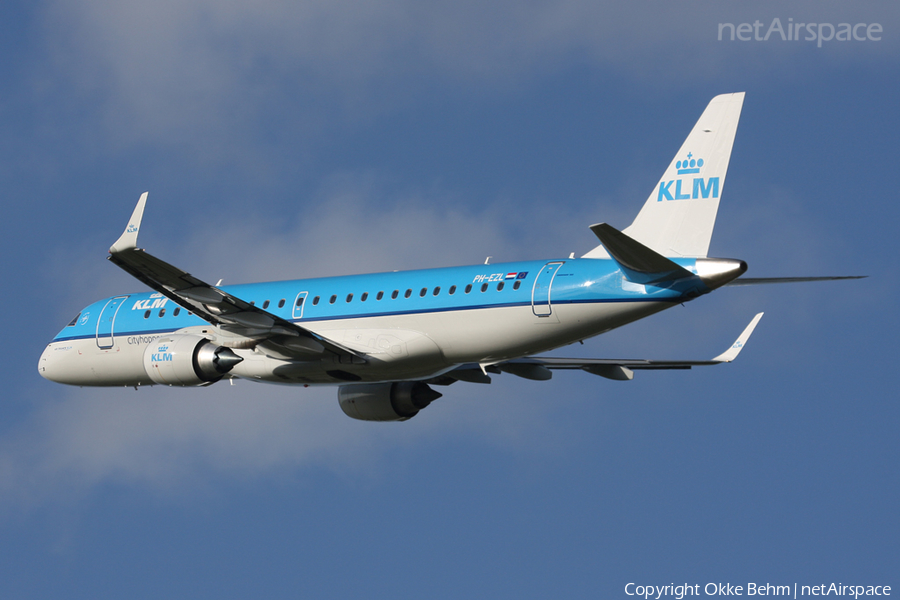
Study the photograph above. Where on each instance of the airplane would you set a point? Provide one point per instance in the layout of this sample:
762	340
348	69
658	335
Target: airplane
385	339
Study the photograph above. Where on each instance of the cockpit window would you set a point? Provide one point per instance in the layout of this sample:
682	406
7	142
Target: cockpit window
74	321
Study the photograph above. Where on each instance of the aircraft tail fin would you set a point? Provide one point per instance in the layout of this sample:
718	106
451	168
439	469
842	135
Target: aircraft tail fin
677	219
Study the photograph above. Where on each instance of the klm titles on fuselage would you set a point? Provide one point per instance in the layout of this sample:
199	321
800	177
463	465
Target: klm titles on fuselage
150	303
698	186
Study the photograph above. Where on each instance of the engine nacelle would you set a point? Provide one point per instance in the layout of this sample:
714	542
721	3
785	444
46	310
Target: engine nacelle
396	401
187	360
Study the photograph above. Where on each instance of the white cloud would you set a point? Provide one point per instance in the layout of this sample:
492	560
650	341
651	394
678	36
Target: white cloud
169	71
354	224
175	442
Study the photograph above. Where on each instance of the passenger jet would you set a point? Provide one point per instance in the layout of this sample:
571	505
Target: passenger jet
387	338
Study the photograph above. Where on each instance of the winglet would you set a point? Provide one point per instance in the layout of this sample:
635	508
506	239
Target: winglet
730	354
128	239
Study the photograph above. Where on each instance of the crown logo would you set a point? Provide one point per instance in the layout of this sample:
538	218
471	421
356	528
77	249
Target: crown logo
689	165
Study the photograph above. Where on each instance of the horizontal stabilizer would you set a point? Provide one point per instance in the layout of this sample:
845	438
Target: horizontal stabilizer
640	263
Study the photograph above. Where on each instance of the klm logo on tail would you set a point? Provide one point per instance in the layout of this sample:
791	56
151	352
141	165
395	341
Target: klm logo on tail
698	186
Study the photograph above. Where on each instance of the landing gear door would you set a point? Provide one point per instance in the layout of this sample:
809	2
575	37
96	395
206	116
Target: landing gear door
106	322
540	293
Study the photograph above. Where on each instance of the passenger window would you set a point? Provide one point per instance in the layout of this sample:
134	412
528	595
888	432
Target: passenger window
516	285
484	287
468	288
162	312
394	294
253	303
176	312
315	300
147	315
407	294
266	304
73	321
364	297
452	290
333	299
437	290
349	297
422	292
379	296
300	301
499	286
281	303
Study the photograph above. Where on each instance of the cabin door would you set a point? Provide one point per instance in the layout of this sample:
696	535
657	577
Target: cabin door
540	293
107	320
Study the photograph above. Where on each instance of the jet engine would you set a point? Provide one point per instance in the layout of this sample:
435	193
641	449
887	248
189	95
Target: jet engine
187	360
396	401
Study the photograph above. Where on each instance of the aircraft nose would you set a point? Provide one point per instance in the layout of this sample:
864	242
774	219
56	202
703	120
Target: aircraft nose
45	364
42	364
55	363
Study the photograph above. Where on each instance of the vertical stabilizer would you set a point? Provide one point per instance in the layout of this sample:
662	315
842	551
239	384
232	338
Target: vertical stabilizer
679	216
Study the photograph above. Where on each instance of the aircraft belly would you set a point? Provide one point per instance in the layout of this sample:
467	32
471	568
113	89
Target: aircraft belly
476	335
502	333
393	346
585	320
330	372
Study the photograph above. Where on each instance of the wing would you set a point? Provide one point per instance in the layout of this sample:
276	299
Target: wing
276	335
541	368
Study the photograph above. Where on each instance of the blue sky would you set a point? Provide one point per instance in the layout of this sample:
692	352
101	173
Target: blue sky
283	140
